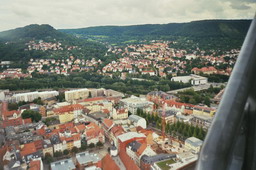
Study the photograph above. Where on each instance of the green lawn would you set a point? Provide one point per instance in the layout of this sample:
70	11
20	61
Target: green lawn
164	164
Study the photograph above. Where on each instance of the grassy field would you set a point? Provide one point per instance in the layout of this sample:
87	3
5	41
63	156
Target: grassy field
164	164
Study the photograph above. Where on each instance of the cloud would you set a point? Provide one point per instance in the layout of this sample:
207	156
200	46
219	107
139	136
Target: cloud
85	13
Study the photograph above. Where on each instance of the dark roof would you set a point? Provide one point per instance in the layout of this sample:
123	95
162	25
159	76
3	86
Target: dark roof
55	139
134	145
156	158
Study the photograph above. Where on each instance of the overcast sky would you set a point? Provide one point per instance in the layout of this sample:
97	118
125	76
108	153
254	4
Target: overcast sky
85	13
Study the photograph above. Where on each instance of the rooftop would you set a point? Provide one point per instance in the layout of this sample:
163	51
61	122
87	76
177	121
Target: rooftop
63	164
130	135
87	158
194	141
156	158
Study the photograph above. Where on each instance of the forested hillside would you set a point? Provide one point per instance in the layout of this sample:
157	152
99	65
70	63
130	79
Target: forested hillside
207	33
14	44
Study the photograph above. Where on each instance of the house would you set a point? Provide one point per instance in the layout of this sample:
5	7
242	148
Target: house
69	112
204	70
47	147
94	134
150	72
121	113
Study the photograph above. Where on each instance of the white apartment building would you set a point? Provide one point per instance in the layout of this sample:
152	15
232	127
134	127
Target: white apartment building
29	97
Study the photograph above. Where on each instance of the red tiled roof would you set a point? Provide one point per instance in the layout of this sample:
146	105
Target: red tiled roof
93	99
38	144
109	164
34	165
80	127
142	148
106	111
108	122
68	108
28	148
92	130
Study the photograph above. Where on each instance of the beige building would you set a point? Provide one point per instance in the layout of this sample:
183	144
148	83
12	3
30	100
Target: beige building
120	113
76	94
47	147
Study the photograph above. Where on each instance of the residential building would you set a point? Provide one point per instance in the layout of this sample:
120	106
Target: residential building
94	134
121	113
47	147
205	70
76	94
29	97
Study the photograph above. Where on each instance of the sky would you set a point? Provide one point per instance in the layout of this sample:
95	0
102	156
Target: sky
85	13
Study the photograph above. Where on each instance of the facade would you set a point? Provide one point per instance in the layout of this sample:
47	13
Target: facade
76	94
203	121
69	112
47	147
192	79
205	70
202	110
29	97
133	103
194	144
120	113
94	134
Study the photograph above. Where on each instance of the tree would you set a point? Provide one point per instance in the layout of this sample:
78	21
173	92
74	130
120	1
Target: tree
38	101
83	146
99	144
57	154
12	106
90	95
74	150
34	115
48	158
66	152
91	145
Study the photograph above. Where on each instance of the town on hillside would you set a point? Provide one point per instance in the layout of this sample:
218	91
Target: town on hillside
97	128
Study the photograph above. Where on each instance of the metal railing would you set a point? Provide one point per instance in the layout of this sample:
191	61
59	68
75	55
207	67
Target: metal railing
231	139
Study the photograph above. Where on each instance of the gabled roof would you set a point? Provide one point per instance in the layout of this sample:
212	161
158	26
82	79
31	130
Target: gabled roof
109	164
28	149
108	123
35	165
